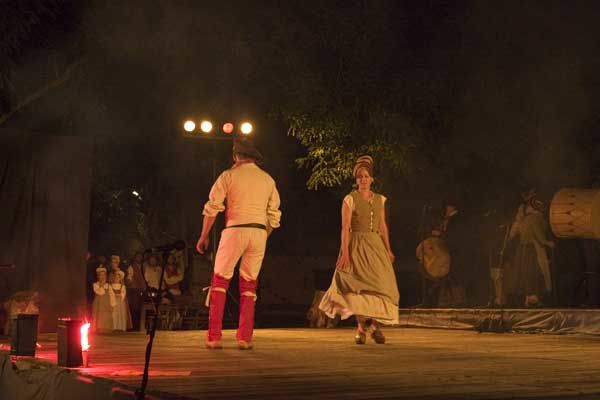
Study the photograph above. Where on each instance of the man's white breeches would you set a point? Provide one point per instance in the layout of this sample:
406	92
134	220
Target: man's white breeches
247	243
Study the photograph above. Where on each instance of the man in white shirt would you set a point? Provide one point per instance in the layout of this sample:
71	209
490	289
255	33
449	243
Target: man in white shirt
152	272
251	213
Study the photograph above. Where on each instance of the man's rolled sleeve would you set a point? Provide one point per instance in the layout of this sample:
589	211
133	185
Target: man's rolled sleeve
273	213
217	195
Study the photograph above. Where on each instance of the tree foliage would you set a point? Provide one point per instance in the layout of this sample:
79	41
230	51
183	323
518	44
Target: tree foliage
436	93
345	91
27	26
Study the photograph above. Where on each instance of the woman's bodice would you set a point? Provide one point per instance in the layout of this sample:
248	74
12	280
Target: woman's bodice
366	214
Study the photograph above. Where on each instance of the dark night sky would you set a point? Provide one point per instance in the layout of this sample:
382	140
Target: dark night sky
503	94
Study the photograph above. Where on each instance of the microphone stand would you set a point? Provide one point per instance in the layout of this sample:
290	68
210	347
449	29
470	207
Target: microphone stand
140	394
487	325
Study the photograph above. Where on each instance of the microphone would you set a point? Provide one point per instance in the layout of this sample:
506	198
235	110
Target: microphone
177	245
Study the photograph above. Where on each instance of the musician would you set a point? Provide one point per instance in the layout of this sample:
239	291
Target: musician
532	260
435	250
457	234
526	197
513	255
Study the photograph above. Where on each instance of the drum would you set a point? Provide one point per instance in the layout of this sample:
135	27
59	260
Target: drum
434	257
575	213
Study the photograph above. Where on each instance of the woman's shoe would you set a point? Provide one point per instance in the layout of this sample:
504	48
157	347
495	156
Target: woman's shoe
377	336
361	337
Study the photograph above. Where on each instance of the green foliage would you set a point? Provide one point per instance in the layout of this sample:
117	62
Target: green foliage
26	26
332	146
342	96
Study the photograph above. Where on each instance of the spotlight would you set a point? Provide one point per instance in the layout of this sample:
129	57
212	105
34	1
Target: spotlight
228	127
206	126
246	128
135	193
189	126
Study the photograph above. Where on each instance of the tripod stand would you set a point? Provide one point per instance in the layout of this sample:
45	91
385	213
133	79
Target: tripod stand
491	324
155	296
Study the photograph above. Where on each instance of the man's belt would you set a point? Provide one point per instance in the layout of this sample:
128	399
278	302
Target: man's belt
252	225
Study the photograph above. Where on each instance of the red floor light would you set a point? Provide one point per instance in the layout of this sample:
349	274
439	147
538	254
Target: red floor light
69	343
85	342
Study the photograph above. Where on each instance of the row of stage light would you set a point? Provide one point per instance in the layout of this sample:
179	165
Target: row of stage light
206	126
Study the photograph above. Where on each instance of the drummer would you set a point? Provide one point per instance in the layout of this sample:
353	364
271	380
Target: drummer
432	286
457	235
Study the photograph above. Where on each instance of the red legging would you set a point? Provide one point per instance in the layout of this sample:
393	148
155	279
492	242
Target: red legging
247	303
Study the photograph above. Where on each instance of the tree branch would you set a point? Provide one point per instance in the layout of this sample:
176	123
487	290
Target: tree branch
41	91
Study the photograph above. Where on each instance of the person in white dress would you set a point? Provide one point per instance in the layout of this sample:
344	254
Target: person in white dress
102	320
118	301
152	272
173	277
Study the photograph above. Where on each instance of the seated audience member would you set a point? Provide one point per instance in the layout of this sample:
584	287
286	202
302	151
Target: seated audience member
102	319
152	272
173	277
135	278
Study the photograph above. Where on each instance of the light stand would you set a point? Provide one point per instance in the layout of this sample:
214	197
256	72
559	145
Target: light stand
489	324
156	297
214	230
214	140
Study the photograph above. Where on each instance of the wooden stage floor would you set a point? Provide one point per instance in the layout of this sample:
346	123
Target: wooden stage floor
326	364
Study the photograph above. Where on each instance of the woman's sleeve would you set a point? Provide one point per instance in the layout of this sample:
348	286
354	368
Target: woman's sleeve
99	290
349	201
111	294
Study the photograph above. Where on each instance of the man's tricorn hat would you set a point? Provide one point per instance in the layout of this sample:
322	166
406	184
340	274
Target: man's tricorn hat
244	146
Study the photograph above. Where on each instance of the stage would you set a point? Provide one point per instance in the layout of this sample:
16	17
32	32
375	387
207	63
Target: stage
524	320
326	364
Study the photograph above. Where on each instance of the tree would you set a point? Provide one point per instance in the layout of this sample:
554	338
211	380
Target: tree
26	27
345	87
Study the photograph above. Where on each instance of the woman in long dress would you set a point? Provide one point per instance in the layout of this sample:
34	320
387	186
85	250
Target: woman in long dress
102	320
118	300
364	283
